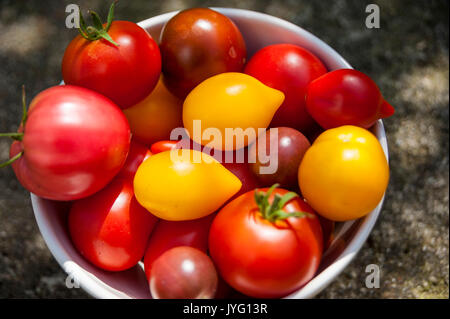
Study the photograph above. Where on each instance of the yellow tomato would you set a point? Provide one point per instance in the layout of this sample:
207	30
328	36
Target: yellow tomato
153	119
229	104
344	174
183	184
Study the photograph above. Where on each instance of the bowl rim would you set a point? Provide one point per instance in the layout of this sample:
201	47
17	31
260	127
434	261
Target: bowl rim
98	289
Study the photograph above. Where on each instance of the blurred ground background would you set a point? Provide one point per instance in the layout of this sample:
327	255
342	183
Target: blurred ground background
408	57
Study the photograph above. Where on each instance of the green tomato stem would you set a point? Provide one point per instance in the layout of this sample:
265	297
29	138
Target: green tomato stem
96	32
14	136
11	160
274	211
18	136
24	107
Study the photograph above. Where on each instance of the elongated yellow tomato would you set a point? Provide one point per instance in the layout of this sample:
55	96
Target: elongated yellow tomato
225	111
153	118
183	184
344	174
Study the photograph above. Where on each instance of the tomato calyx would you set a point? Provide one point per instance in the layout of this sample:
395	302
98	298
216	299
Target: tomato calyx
274	211
17	136
98	31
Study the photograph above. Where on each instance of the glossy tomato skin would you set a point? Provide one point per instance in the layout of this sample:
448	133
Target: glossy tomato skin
126	73
110	228
288	68
243	172
162	146
197	44
75	141
347	167
138	153
346	97
170	234
171	279
154	118
261	259
284	149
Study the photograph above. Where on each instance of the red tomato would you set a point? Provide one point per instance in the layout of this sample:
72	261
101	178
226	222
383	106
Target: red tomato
110	228
170	234
126	73
138	153
288	68
261	254
245	175
183	273
197	44
346	97
162	146
75	141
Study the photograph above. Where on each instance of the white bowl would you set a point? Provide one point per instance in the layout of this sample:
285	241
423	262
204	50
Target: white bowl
259	30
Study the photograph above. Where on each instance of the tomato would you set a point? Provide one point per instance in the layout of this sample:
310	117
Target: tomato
264	251
225	107
170	234
125	72
278	158
245	175
73	143
288	68
328	227
110	228
224	291
163	146
346	97
197	44
183	273
240	170
344	174
154	118
138	153
177	184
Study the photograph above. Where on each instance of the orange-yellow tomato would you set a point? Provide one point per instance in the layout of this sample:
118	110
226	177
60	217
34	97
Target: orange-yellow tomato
227	111
344	174
153	119
183	184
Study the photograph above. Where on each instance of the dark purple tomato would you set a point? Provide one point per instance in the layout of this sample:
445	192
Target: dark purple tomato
183	273
278	162
197	44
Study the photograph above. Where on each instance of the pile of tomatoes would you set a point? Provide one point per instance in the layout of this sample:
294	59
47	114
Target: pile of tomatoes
120	141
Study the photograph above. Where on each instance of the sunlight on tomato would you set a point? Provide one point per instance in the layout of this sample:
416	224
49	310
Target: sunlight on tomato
229	101
183	184
288	68
344	174
346	97
266	248
125	73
